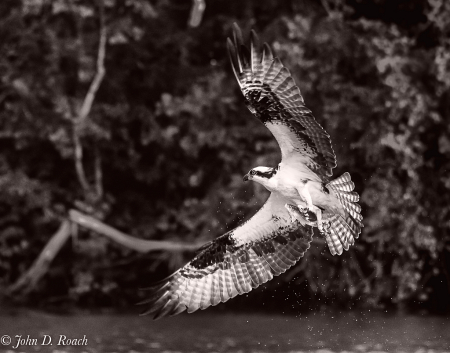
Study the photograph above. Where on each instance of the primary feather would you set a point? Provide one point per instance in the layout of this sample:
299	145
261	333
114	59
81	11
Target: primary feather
279	234
273	97
234	263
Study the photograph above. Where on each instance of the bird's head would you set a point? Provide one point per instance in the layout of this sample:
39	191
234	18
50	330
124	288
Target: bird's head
261	175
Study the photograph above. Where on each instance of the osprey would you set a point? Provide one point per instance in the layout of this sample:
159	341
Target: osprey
302	196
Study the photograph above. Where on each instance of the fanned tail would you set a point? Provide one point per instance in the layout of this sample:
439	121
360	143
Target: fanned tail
341	232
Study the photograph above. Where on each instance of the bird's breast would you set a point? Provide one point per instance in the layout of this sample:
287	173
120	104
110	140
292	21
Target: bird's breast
288	184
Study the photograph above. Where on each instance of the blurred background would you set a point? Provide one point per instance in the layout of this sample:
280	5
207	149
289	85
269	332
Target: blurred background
121	120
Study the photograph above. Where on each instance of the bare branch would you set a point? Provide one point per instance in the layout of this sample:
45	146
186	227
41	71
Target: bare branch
198	7
98	174
79	158
334	8
95	84
326	6
29	279
137	244
87	105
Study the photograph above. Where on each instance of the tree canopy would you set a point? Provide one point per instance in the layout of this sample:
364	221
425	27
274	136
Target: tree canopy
166	139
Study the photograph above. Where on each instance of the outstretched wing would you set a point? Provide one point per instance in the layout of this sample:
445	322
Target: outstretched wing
235	263
273	97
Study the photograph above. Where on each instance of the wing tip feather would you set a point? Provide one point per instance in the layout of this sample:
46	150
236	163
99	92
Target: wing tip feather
204	282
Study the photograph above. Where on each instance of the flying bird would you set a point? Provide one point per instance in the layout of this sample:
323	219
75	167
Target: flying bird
302	196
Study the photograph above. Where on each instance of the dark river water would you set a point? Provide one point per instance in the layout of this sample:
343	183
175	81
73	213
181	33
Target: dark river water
203	332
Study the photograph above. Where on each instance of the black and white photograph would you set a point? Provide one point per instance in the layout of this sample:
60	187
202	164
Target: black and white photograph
225	176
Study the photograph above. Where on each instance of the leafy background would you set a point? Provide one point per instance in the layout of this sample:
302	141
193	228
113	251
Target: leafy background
168	140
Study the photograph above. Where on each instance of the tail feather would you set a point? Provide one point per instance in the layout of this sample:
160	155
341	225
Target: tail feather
351	206
333	242
344	178
340	236
353	209
349	186
348	196
344	230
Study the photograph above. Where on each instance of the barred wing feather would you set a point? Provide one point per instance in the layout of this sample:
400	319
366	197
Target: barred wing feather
273	97
235	263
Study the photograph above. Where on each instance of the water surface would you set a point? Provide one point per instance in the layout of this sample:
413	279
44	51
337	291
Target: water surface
203	332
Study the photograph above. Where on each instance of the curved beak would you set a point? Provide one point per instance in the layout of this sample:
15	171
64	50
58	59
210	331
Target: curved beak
246	177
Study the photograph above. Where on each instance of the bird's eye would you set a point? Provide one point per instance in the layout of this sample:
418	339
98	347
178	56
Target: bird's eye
253	172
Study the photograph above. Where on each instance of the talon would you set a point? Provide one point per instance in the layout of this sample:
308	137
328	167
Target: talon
297	216
292	212
304	212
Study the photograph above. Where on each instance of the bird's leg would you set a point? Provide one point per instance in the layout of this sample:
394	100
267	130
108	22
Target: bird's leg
318	213
297	215
314	209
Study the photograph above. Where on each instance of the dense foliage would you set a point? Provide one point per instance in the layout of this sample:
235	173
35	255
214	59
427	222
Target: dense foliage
168	139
